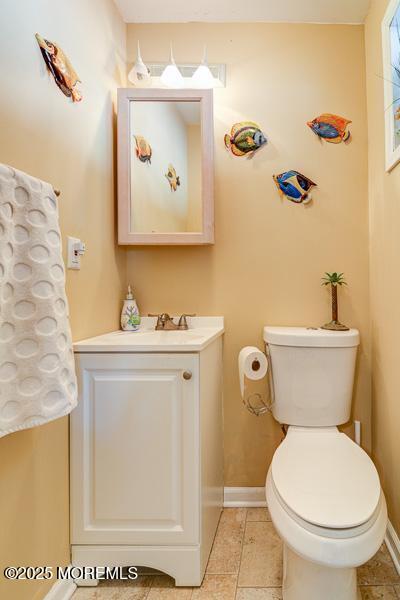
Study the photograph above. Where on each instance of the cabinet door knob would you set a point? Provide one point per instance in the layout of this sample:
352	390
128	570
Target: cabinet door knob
187	375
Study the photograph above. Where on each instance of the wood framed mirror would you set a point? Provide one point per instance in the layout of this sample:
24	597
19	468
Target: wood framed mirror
165	167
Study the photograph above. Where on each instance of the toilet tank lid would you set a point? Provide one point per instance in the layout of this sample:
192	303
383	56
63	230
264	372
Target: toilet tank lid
311	337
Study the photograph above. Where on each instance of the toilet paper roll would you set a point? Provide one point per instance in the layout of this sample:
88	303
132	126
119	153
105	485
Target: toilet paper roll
253	364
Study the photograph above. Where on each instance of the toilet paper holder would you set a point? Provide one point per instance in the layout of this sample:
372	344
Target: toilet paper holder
255	402
254	365
259	410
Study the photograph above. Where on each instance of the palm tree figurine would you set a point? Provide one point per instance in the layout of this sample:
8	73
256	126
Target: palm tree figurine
334	279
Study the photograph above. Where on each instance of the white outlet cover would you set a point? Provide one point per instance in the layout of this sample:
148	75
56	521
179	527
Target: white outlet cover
73	260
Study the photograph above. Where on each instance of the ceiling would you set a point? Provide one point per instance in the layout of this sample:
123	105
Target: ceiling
295	11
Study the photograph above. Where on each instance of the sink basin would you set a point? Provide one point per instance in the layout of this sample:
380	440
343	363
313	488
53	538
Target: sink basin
202	331
162	337
173	337
151	337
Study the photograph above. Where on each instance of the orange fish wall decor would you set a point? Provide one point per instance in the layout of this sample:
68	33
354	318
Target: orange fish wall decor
173	178
331	128
60	67
143	149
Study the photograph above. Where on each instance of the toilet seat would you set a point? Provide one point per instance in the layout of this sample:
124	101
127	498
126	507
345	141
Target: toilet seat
325	480
337	548
334	533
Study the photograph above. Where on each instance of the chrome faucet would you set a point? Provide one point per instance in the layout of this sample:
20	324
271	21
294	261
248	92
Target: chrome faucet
166	323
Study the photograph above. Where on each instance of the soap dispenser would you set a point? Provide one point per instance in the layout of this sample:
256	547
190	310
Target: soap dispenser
130	317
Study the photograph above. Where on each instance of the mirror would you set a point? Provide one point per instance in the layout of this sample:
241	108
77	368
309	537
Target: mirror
165	167
165	158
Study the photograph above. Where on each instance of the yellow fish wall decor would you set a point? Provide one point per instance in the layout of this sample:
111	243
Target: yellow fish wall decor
60	67
331	128
245	138
173	178
143	149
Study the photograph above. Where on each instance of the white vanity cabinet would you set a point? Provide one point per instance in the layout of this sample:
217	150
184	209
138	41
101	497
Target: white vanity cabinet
146	457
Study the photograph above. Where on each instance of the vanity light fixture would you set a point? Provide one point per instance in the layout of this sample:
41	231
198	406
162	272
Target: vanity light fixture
181	75
171	76
139	75
202	77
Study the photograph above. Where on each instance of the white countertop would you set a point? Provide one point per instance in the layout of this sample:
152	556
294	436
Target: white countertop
202	331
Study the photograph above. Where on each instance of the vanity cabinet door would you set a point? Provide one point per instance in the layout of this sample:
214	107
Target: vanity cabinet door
135	450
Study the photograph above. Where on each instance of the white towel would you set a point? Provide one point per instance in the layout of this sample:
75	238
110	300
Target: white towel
37	373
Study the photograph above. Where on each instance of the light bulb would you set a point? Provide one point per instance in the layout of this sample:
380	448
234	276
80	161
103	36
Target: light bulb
202	77
139	75
171	76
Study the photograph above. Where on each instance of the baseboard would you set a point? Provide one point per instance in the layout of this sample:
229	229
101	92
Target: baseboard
393	545
244	496
61	590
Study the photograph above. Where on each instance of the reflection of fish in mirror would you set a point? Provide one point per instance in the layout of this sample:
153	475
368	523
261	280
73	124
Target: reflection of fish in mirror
246	137
143	149
331	128
173	178
60	67
295	186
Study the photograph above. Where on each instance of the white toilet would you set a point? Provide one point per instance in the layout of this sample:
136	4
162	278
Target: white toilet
323	491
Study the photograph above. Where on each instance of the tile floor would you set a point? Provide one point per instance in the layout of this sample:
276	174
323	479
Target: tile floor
245	564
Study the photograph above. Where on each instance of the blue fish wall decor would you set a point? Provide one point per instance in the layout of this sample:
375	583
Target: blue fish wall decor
295	186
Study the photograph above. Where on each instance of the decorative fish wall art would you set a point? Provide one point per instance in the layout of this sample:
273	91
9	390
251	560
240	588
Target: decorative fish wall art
60	67
331	128
143	149
245	138
173	178
295	186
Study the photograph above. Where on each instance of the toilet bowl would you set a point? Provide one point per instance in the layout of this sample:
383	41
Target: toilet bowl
323	491
325	500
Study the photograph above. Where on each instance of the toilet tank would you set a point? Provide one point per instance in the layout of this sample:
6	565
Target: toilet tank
312	374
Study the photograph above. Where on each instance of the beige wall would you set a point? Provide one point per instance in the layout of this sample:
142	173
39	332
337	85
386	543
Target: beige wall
269	253
384	195
72	147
